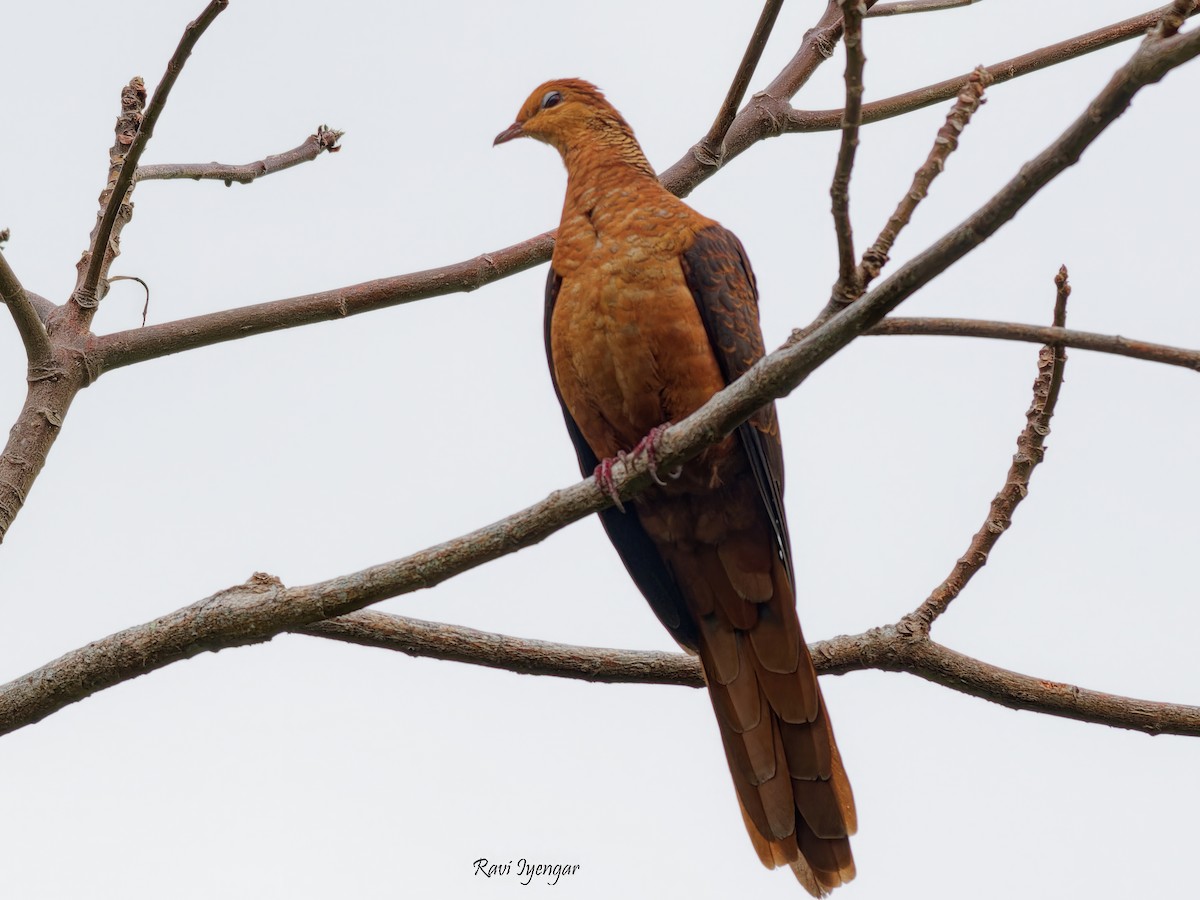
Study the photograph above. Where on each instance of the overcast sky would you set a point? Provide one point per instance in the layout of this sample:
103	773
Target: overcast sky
304	768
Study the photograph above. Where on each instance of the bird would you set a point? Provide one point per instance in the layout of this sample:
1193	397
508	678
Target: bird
650	309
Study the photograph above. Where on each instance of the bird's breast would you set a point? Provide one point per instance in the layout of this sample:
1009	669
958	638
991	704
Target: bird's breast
627	343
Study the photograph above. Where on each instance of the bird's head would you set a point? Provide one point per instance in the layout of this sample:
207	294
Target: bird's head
568	113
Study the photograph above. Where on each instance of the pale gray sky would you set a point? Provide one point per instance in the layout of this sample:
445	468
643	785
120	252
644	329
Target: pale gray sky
304	768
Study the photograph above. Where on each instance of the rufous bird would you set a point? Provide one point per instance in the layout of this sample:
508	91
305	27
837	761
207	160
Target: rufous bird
651	308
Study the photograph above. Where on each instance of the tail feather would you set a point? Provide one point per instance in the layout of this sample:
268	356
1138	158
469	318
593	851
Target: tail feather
791	786
792	789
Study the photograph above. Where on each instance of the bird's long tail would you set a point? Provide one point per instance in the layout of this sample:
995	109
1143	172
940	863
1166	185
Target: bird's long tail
792	788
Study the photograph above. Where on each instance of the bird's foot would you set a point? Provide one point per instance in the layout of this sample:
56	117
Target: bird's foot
649	445
604	480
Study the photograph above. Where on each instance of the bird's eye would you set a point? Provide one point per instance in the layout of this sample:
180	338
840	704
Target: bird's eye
551	98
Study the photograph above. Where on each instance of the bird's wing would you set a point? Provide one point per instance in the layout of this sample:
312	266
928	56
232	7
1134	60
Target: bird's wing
642	559
720	278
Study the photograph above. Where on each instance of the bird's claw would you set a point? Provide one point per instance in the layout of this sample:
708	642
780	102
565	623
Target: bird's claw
604	480
649	444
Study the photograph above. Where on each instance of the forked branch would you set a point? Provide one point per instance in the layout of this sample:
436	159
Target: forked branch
125	163
709	151
801	120
888	649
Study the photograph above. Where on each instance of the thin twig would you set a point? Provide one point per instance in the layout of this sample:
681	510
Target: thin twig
145	287
791	120
1052	360
891	649
917	6
847	289
970	98
1040	334
325	139
753	124
25	316
85	295
104	242
709	151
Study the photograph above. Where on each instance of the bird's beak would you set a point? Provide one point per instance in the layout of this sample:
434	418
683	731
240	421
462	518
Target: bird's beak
512	131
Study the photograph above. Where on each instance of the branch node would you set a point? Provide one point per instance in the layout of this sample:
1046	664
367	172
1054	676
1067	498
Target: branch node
51	416
47	371
85	298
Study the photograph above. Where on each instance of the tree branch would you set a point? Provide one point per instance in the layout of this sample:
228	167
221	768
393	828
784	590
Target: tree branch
325	139
846	289
124	348
104	243
454	643
892	650
791	120
889	649
25	316
917	6
102	249
1052	359
709	151
970	98
1040	334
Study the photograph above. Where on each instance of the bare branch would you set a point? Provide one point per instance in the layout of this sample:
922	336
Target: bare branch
501	651
753	123
25	316
890	649
85	297
793	120
124	348
1040	334
969	100
917	6
1052	359
104	243
709	150
325	139
49	395
847	289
